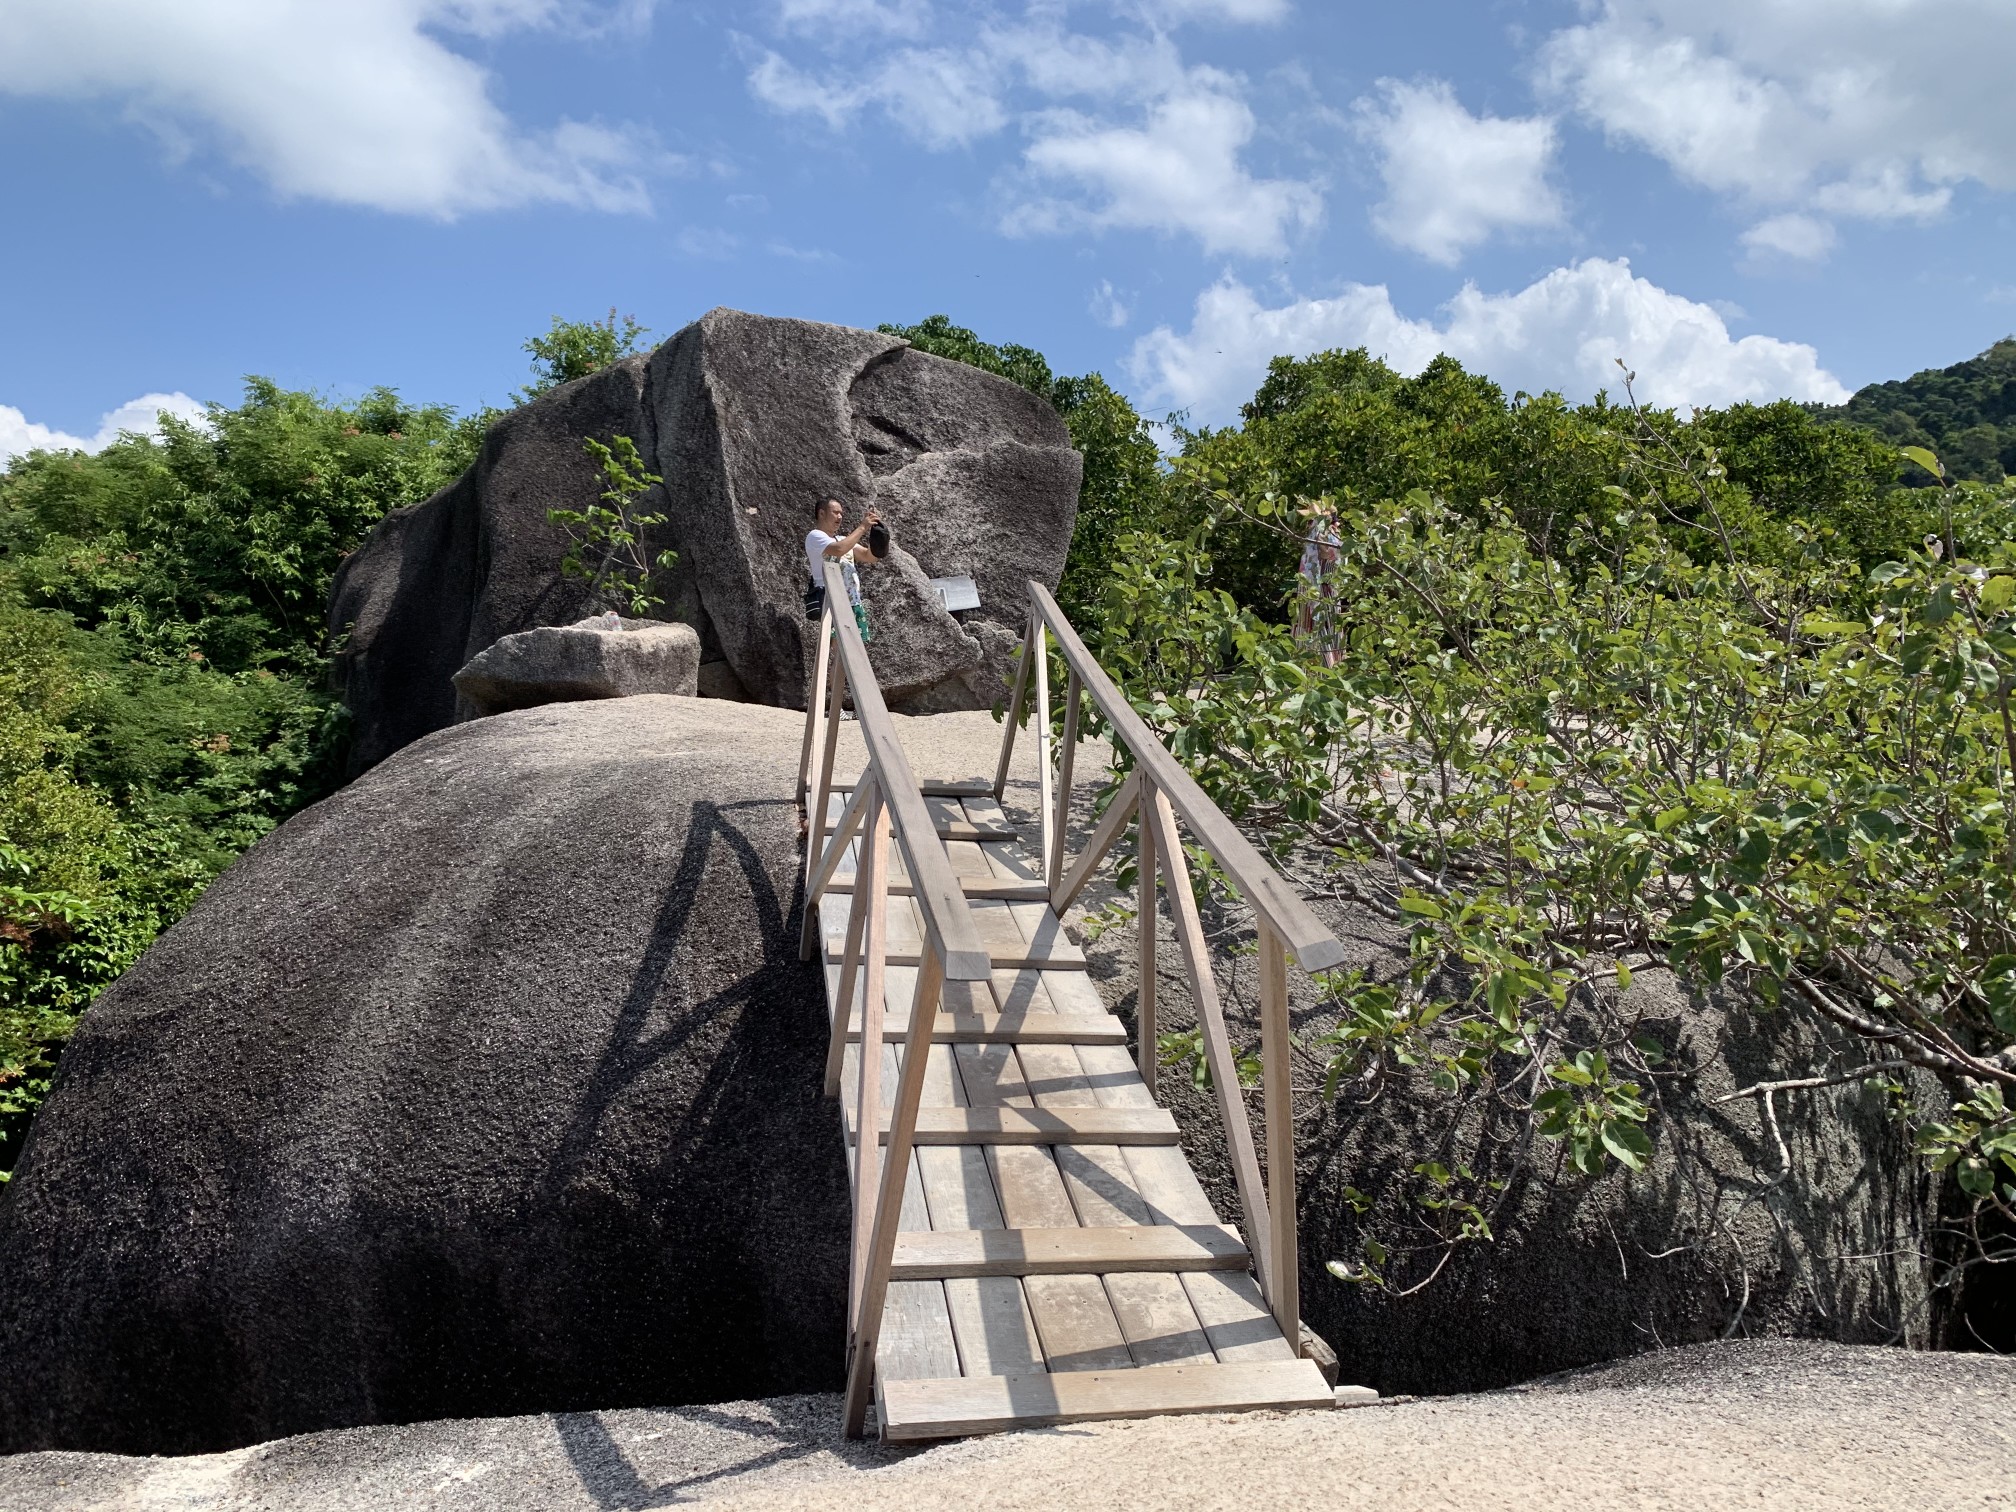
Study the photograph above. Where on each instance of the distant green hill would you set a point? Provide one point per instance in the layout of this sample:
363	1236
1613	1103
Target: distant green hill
1966	413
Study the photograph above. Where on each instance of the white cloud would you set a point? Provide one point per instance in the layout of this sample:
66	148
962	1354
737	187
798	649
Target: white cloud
940	97
1453	179
896	18
1106	306
1562	332
1867	108
1180	170
1250	11
351	101
1803	238
19	435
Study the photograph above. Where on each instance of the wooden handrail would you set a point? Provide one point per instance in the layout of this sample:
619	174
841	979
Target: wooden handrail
1156	792
948	923
1314	947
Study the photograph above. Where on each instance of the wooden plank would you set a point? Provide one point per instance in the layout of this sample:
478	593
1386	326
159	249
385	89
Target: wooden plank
916	1339
1013	720
1146	1030
971	887
1024	992
993	1327
997	925
1066	760
969	862
1072	1315
1042	1126
959	1406
1235	1317
1045	935
1155	1314
985	808
1315	947
960	829
943	787
1072	992
1066	1251
1008	1028
1012	862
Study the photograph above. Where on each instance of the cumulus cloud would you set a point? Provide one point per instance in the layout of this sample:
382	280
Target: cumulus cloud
1867	108
1563	332
1106	306
19	435
940	97
1803	238
357	102
1250	11
1453	179
1179	170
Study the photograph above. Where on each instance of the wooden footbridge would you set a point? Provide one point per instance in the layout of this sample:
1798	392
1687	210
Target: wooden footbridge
1030	1244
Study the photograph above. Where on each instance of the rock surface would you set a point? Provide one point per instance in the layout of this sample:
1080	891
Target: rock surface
751	421
591	658
489	1085
1777	1425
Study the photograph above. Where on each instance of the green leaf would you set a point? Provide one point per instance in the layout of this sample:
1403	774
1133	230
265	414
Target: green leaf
1997	592
1427	908
1628	1143
1623	977
1926	460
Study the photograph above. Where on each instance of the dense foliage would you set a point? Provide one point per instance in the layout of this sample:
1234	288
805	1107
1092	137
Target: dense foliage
1587	693
1965	413
162	674
1123	470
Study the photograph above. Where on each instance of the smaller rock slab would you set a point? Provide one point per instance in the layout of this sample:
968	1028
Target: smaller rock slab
604	656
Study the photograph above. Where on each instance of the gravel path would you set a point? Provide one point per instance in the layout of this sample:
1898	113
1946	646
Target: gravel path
1759	1424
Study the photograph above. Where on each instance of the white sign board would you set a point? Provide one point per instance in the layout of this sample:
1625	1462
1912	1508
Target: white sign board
957	592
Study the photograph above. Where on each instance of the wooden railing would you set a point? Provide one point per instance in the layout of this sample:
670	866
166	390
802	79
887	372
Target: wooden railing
1160	792
885	799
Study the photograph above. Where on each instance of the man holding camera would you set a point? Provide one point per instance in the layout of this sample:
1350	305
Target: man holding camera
867	542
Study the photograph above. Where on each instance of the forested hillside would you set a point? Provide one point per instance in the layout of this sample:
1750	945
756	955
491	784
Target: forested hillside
1965	413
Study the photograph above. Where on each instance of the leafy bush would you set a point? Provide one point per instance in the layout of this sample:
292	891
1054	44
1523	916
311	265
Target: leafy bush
1638	736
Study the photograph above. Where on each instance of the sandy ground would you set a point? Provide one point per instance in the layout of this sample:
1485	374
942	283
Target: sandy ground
1767	1425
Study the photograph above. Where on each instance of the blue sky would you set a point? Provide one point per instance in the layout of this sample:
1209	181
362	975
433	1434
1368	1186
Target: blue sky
1742	198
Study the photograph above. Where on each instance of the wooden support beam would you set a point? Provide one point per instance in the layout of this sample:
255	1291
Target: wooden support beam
1145	1029
815	812
1283	1274
814	699
1067	759
1049	1126
850	957
1104	834
1217	1042
1040	648
972	887
828	863
940	1256
868	1095
1008	725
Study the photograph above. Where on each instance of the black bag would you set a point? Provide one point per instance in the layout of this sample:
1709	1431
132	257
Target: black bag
815	600
878	540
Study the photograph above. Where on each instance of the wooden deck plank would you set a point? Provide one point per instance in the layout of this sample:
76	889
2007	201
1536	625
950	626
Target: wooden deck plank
993	1327
1043	1126
958	1406
1013	861
1235	1317
1155	1314
1068	1251
1072	992
1005	1028
1024	992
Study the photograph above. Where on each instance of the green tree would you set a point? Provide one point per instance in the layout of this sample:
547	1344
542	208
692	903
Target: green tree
575	348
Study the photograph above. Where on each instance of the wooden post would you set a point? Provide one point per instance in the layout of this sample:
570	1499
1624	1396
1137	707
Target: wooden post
871	891
816	819
1284	1279
1144	999
827	862
1039	646
1015	702
887	1209
850	955
1217	1042
815	699
1064	765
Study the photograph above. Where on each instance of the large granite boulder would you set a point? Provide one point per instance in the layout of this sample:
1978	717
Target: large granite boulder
603	656
751	421
489	1085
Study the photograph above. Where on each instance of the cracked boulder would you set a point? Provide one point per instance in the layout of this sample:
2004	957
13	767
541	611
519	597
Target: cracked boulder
751	421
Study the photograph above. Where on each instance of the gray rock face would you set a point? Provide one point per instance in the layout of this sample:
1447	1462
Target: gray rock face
588	659
751	421
489	1085
441	581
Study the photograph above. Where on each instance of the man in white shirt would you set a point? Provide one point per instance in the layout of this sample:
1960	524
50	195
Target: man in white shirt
823	544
